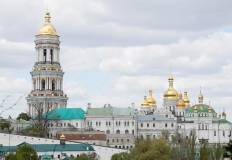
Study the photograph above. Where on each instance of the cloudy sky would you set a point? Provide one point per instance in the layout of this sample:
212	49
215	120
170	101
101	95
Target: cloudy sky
114	51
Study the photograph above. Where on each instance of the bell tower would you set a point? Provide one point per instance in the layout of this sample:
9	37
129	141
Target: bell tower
47	74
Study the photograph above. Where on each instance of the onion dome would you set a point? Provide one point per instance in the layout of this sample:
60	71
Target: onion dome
210	109
150	98
186	99
145	103
47	28
171	93
149	101
180	103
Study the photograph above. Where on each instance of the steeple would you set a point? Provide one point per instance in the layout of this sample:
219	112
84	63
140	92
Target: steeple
200	98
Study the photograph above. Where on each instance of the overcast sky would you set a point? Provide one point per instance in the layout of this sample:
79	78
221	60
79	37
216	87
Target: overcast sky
113	51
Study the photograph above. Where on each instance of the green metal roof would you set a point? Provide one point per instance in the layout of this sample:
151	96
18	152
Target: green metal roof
51	147
200	108
222	121
110	111
65	114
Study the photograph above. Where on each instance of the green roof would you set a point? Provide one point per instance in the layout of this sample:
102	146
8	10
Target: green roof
51	147
200	108
65	114
110	111
221	121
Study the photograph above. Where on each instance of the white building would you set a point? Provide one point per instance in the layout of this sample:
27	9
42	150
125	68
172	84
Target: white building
177	114
118	123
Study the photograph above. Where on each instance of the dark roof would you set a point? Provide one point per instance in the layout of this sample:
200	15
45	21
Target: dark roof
51	147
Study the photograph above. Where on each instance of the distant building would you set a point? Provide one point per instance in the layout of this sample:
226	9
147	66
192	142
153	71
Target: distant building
64	119
178	115
119	124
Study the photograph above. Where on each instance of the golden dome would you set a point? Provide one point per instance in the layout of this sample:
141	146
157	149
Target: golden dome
47	28
186	99
149	101
150	98
180	103
171	93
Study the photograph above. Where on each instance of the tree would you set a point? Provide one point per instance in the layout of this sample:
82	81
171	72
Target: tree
121	156
4	125
191	146
10	156
216	152
23	116
26	152
157	149
228	150
204	152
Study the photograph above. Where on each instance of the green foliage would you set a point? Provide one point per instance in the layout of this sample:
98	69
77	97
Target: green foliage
23	116
26	152
10	156
157	149
120	156
228	150
4	125
216	152
204	152
36	130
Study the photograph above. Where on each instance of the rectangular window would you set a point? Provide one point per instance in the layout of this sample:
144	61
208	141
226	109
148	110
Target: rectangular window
141	124
166	125
153	124
147	124
215	133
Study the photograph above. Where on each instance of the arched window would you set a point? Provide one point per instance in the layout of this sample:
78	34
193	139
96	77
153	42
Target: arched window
51	54
118	131
126	131
53	85
34	84
45	55
43	84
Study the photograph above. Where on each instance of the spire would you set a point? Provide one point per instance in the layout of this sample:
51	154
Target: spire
170	81
200	97
150	93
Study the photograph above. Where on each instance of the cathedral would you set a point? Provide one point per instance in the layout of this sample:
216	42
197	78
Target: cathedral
47	74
